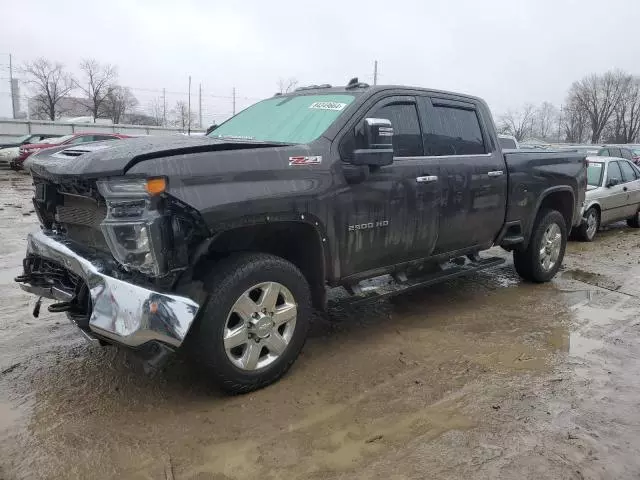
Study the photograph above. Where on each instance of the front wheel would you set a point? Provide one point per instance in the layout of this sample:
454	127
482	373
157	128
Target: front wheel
545	251
255	322
634	222
587	231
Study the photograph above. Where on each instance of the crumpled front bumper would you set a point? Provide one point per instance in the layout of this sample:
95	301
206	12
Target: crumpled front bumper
122	312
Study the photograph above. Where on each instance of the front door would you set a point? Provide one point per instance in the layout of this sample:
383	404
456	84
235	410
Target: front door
631	181
472	172
391	216
614	204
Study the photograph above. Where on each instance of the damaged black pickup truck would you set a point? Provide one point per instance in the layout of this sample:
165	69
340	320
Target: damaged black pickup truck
223	246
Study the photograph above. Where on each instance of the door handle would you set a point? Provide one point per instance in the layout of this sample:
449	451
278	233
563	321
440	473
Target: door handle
427	179
495	173
624	189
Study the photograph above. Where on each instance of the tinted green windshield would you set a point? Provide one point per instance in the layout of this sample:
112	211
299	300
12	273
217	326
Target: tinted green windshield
594	173
297	119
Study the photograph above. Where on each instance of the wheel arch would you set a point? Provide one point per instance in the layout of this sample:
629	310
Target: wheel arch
560	198
299	242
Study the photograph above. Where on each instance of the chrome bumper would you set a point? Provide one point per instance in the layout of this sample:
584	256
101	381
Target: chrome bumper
123	312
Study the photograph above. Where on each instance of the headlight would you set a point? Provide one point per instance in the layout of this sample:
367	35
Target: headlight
134	228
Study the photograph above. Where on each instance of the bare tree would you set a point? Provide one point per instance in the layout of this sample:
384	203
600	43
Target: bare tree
50	84
545	121
518	123
180	115
599	96
574	121
97	83
118	102
288	85
626	120
156	109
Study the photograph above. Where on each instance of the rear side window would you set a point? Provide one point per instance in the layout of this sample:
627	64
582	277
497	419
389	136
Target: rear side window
454	131
626	154
613	172
507	143
615	152
407	141
603	153
628	173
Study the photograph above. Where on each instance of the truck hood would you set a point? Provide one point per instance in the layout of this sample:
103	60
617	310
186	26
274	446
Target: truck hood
110	158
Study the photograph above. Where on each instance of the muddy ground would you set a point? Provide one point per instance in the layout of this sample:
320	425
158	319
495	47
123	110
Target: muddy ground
482	377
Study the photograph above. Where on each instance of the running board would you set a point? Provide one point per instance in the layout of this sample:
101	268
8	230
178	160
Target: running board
388	285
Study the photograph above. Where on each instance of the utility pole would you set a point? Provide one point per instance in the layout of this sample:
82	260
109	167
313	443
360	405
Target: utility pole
375	72
200	104
189	110
164	107
12	90
559	122
234	100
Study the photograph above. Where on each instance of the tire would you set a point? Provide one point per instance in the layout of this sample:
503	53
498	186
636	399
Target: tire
238	284
634	222
587	231
529	263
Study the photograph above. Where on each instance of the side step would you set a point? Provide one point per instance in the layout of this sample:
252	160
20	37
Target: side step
387	285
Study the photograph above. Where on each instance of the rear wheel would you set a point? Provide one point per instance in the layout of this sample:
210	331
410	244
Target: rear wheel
255	322
545	251
587	231
634	221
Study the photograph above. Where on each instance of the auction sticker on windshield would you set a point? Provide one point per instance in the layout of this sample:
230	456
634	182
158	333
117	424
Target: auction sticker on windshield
328	106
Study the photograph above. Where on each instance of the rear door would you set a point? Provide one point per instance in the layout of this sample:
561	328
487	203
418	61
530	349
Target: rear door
472	173
614	203
632	186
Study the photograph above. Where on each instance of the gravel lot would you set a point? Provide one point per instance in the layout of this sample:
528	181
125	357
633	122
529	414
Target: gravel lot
482	377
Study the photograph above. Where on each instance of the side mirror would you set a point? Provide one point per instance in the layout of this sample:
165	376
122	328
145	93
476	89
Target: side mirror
613	182
374	143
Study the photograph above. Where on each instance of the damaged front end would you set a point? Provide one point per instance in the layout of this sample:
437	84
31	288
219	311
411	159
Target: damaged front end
109	252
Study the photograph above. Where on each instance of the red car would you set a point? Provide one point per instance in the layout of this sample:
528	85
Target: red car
73	139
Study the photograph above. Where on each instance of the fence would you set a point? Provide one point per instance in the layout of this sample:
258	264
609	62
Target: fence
16	128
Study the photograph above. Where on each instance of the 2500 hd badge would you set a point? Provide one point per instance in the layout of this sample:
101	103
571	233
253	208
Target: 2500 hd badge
369	226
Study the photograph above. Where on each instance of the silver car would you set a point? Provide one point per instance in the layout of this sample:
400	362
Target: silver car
613	194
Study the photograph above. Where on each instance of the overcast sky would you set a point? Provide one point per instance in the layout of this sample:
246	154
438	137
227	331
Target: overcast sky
507	51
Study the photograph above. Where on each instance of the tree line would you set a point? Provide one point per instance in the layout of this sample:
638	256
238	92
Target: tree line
600	108
98	91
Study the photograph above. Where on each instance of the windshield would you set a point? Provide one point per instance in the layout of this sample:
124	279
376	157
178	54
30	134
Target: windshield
58	139
297	119
22	139
594	173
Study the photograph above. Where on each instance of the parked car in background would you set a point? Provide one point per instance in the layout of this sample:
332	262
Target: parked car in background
613	194
7	155
72	139
635	149
617	151
508	142
27	139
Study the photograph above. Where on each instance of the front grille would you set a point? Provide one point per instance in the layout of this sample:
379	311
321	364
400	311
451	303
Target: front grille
72	207
41	272
80	211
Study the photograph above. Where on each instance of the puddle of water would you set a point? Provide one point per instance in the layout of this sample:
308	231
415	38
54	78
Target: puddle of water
9	416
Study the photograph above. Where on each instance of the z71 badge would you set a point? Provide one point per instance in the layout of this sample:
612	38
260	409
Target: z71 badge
315	160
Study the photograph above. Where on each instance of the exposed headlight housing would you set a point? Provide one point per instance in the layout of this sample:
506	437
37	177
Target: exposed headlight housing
134	228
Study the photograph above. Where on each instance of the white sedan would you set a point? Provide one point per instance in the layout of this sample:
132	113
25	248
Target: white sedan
8	154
